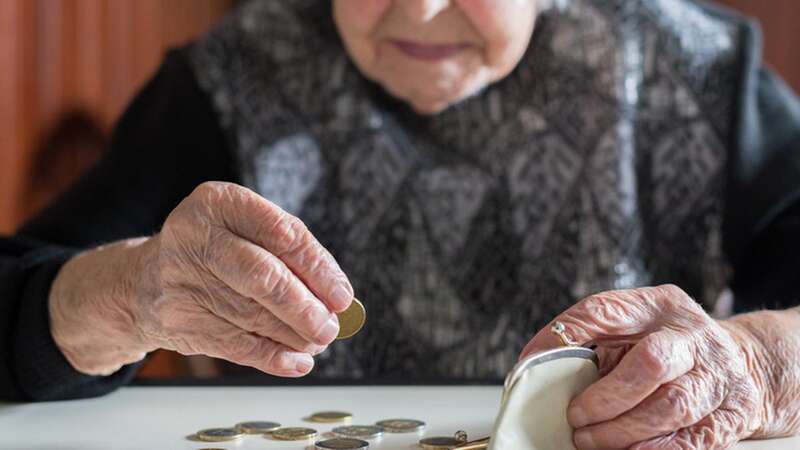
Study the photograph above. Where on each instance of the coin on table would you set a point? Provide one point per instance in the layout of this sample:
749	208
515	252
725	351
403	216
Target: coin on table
219	434
359	431
294	434
342	444
351	319
401	425
257	427
440	443
330	416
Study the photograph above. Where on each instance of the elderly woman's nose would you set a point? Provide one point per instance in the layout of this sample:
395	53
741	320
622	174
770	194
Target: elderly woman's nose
422	10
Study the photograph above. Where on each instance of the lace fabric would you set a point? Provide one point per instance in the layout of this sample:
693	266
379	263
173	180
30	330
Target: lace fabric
598	164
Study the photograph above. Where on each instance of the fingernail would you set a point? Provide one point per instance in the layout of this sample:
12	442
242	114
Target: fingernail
315	350
329	331
584	440
577	417
341	297
303	362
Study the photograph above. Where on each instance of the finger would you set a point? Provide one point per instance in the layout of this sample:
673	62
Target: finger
217	338
609	357
255	273
673	406
267	325
251	316
658	358
260	221
719	430
619	315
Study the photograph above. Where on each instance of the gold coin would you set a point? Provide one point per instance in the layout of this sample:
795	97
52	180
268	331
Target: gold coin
342	444
330	416
440	443
257	427
359	431
351	320
294	434
219	434
401	425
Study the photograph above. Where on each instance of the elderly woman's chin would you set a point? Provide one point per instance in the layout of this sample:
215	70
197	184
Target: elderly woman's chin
428	96
424	106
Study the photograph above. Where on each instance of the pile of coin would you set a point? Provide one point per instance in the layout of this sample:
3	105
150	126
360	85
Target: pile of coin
347	437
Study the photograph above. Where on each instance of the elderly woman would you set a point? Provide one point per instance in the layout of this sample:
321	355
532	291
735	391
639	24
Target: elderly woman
471	169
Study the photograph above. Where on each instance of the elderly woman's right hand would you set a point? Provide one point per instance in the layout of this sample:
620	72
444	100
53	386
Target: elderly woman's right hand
230	275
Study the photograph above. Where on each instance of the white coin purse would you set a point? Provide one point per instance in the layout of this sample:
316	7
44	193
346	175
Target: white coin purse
537	392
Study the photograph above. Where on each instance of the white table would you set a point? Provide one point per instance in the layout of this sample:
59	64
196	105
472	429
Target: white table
162	417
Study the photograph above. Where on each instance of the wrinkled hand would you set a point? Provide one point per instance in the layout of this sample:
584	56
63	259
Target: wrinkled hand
230	275
238	278
672	377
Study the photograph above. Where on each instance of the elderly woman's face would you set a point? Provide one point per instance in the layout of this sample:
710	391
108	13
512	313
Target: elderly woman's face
432	53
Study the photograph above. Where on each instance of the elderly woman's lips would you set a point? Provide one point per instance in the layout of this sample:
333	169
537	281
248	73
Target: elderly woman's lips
428	52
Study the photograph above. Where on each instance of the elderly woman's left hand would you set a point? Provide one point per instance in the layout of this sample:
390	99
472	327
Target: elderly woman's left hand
673	377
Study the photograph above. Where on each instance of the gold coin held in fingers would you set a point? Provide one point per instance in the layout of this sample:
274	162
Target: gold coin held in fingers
257	427
219	434
294	434
351	320
330	416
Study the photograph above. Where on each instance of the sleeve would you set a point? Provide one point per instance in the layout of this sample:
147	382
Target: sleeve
762	217
167	142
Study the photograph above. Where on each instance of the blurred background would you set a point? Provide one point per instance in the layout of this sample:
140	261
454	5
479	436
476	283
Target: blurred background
69	67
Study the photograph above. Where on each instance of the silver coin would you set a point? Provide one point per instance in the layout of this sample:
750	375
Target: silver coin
219	434
342	444
257	427
359	431
401	425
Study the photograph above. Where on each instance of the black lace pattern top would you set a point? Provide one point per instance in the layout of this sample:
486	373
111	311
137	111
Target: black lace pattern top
637	143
